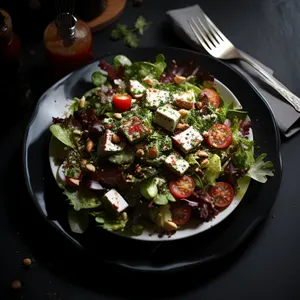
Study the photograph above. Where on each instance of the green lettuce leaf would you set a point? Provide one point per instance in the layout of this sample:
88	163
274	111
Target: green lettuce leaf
160	62
98	78
164	196
188	86
192	159
222	112
213	170
109	221
82	198
63	134
261	169
243	158
163	141
193	119
196	177
237	138
121	60
160	215
74	106
139	70
92	92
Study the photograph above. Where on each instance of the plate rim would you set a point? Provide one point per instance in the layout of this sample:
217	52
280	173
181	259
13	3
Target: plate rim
173	266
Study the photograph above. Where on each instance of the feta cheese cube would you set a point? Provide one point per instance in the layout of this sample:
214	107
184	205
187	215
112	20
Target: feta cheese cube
188	139
176	164
120	83
167	117
185	99
156	98
106	146
115	201
136	88
134	129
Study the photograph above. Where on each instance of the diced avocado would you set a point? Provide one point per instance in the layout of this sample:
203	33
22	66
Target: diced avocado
213	170
149	188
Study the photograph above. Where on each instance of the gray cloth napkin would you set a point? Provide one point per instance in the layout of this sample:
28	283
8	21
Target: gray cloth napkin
286	116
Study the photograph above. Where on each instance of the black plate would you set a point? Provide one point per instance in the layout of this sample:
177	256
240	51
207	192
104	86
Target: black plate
154	256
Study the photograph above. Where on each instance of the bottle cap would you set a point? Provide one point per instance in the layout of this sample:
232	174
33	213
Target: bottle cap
66	24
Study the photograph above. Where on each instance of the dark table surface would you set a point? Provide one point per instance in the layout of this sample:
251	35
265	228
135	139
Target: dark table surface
266	267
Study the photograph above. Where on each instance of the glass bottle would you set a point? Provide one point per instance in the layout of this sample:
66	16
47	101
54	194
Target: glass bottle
68	44
10	45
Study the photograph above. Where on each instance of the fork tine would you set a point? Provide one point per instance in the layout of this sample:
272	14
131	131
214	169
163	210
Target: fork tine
199	37
205	27
203	35
214	29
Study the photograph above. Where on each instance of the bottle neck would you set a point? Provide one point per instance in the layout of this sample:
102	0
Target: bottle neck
66	25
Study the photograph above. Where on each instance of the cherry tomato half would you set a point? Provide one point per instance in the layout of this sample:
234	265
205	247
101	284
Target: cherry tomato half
122	102
182	187
212	96
219	136
222	194
181	213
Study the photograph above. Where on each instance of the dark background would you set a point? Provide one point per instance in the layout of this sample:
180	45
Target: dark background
266	267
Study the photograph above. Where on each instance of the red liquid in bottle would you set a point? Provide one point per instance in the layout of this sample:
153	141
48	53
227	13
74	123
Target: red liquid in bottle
66	54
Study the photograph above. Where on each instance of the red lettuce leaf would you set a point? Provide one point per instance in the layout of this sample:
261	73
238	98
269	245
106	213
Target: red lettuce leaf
111	72
205	207
245	127
186	69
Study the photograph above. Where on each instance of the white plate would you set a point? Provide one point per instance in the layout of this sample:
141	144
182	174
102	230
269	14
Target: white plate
193	227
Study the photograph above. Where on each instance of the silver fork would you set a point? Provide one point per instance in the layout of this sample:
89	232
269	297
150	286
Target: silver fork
217	45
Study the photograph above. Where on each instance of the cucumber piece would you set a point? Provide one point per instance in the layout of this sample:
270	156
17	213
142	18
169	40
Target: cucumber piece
149	188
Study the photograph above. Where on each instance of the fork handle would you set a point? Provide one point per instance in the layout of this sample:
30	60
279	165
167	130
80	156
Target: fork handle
277	85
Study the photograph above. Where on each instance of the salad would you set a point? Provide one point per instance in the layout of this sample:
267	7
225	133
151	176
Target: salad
153	146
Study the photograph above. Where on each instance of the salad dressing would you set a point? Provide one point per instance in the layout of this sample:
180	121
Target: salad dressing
68	44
